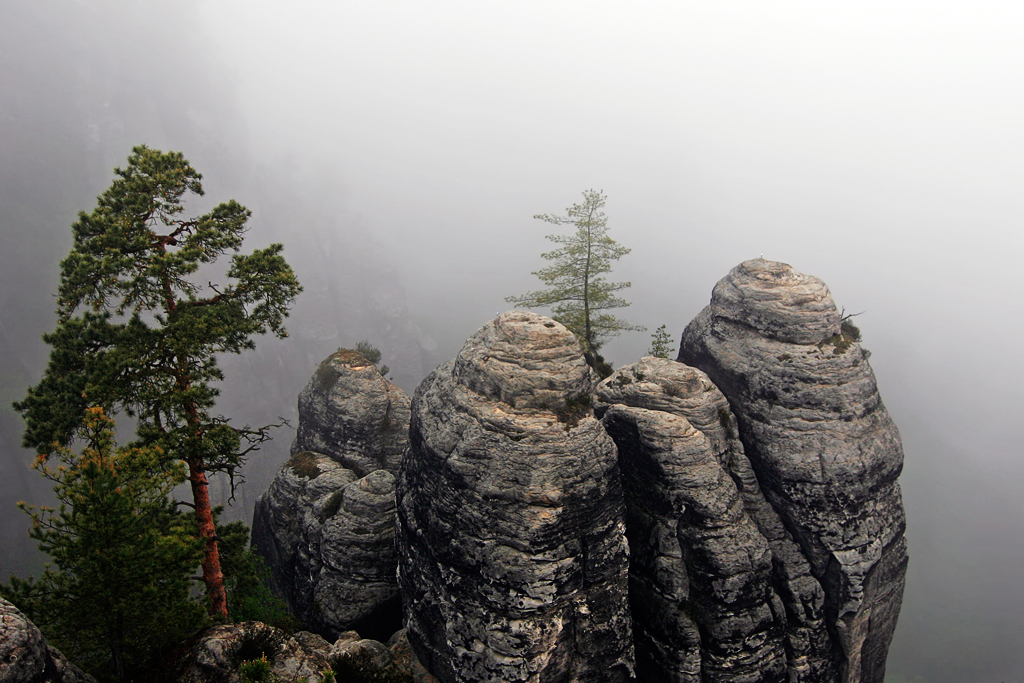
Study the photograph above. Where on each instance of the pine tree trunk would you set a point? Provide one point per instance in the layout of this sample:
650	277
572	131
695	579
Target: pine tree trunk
212	574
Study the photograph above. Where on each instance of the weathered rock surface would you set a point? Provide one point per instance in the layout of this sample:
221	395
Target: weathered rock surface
26	657
709	603
406	660
826	453
350	412
217	654
330	543
326	524
512	550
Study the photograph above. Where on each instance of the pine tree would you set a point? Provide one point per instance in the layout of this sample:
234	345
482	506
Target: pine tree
661	343
136	332
577	292
117	594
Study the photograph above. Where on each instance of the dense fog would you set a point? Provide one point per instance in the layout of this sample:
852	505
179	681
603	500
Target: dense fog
400	149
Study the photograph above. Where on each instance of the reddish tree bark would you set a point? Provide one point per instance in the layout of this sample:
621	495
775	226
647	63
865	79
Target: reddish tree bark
212	575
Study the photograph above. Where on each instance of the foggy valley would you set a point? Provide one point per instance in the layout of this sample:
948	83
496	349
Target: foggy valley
400	150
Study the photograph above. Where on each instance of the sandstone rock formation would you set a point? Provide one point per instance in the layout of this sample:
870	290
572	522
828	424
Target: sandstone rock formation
350	412
824	448
326	524
26	657
708	602
511	540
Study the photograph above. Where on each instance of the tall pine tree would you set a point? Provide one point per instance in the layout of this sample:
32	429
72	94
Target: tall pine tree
137	332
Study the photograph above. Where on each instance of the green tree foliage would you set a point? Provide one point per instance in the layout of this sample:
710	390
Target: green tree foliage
116	597
137	332
661	343
577	292
368	351
372	354
245	580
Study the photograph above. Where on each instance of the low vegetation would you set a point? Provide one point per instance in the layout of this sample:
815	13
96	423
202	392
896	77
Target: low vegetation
849	334
574	409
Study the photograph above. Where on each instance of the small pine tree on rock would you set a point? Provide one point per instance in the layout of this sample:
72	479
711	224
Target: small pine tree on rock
661	343
577	292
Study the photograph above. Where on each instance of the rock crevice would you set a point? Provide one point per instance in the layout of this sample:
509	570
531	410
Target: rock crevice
718	589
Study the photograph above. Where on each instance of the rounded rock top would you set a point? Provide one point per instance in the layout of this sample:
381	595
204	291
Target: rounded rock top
525	360
777	301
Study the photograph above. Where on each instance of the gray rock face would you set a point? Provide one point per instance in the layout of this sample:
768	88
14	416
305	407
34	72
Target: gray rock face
512	550
709	603
825	451
351	413
26	657
326	524
329	541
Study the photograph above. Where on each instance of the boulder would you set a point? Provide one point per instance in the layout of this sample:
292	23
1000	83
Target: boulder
511	534
405	659
824	450
26	657
219	652
222	653
326	525
329	540
709	603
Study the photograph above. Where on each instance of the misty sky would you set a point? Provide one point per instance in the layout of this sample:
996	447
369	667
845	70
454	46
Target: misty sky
879	146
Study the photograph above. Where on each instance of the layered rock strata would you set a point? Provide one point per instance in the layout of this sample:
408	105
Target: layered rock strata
826	453
709	603
350	412
512	550
326	524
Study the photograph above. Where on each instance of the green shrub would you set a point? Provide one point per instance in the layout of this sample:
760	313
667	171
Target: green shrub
326	375
117	597
850	330
368	351
623	379
661	343
255	670
574	409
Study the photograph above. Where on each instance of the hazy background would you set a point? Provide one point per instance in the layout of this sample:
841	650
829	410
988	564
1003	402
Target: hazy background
399	151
